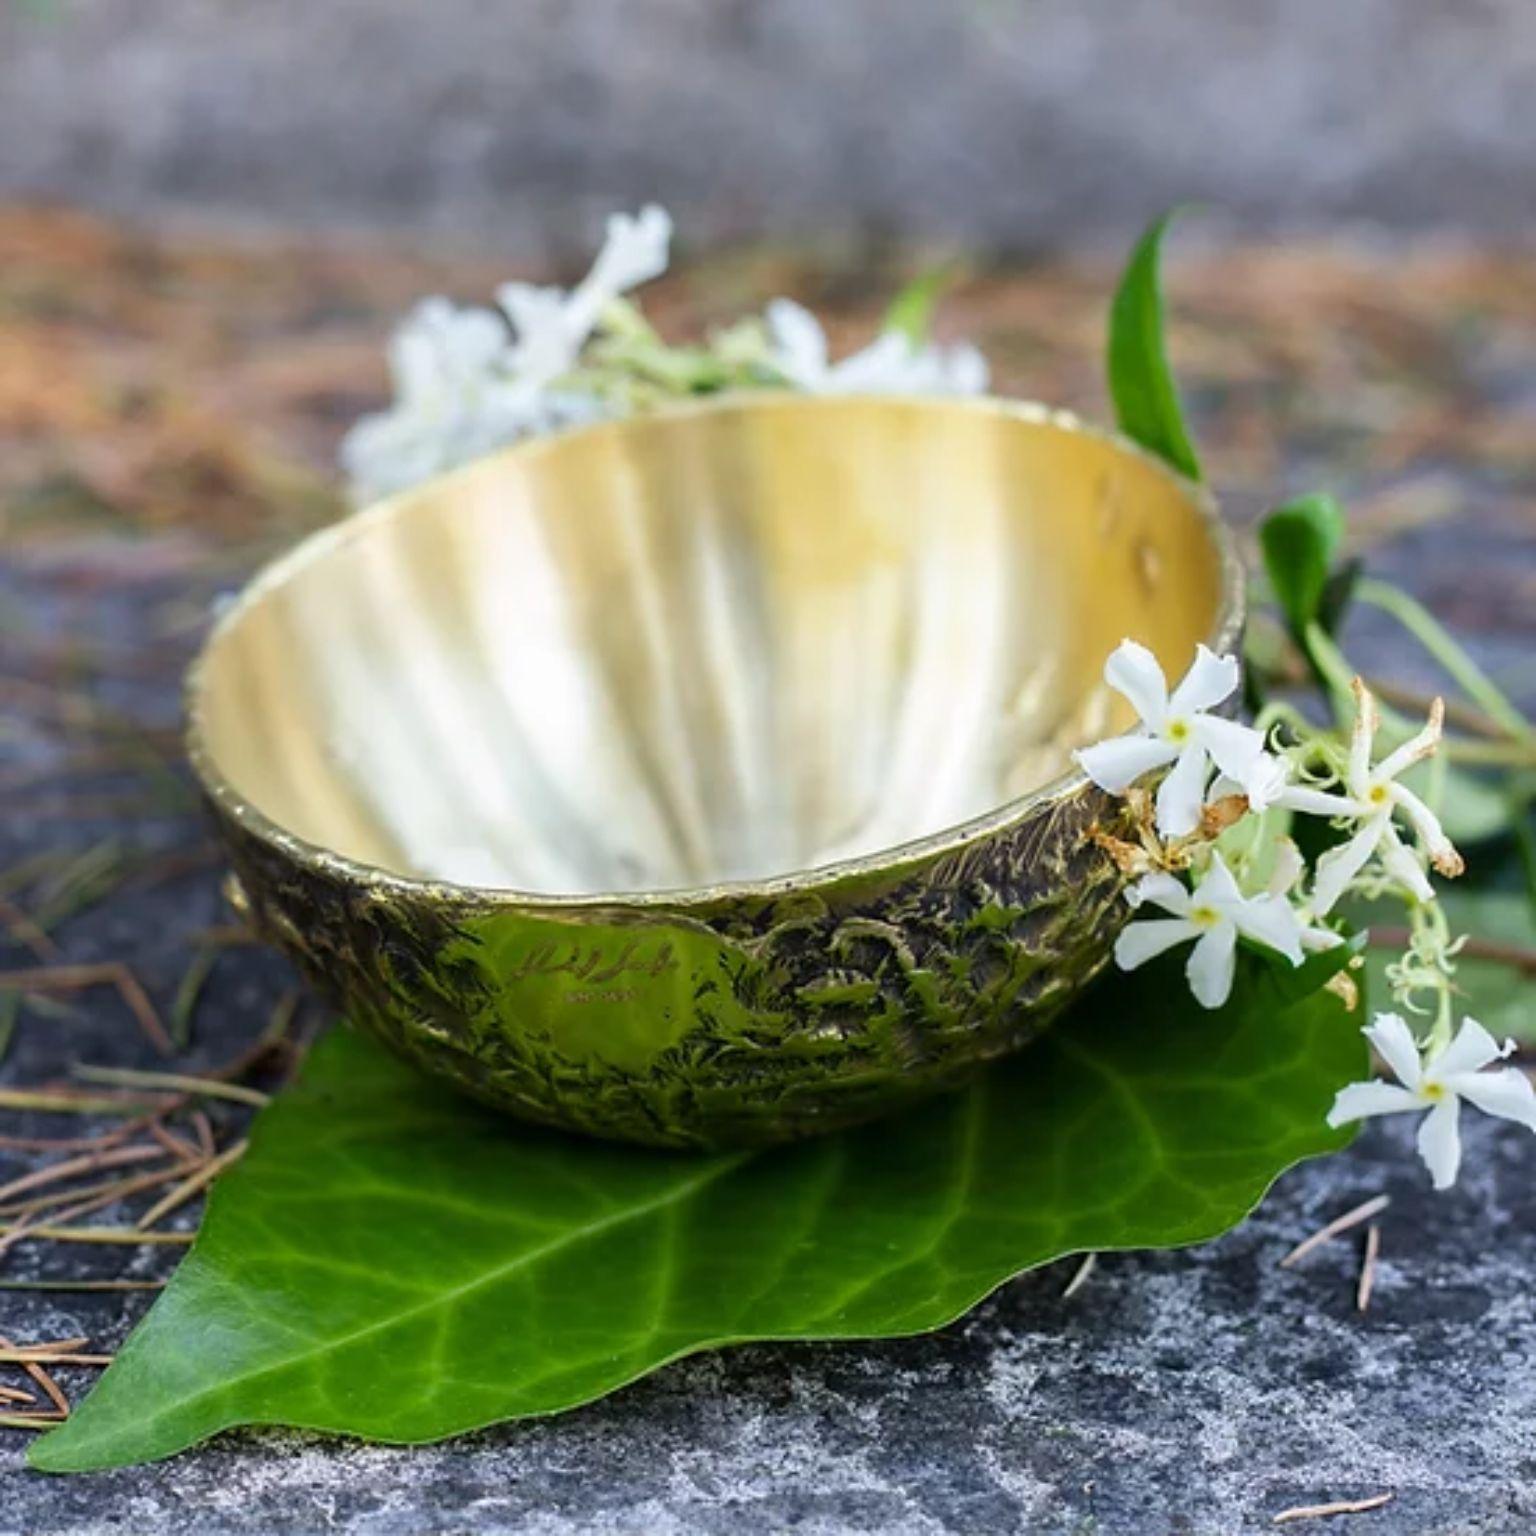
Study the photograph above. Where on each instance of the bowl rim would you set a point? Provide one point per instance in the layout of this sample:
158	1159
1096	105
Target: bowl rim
231	804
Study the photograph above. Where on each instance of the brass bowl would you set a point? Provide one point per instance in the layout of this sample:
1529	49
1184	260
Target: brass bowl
703	779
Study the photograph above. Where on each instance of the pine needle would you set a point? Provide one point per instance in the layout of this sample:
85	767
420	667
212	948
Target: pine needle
43	1379
10	1011
27	932
50	1357
63	1207
1342	1507
189	993
66	1286
53	1102
89	1162
42	1419
129	1235
192	1185
172	1082
106	973
1368	1267
1080	1276
1350	1218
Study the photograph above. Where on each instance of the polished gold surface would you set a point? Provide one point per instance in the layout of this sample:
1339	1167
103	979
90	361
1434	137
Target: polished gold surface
704	779
715	647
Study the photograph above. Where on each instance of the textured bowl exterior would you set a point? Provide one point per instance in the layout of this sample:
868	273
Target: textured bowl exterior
732	1021
980	558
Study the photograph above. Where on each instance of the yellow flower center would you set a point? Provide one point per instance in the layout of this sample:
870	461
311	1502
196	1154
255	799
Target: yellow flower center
1178	732
1378	794
1204	917
1432	1091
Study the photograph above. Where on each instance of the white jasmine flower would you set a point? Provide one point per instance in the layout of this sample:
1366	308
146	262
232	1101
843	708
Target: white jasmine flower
453	400
1438	1085
1284	884
1177	730
890	364
1214	916
1370	798
553	326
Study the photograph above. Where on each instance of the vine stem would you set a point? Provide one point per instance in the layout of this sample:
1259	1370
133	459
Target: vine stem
1519	752
1438	641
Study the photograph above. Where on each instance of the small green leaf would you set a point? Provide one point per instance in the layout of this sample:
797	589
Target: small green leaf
1140	380
389	1261
1299	541
911	311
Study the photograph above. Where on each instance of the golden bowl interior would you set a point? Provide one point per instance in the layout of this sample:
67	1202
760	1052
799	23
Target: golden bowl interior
713	645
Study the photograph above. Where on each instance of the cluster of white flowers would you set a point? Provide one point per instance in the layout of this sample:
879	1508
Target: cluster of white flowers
1199	862
468	381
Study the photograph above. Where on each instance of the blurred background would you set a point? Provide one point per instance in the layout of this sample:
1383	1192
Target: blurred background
1013	124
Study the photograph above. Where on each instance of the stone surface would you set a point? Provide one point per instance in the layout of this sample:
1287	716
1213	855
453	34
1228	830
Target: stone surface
1194	1392
1001	120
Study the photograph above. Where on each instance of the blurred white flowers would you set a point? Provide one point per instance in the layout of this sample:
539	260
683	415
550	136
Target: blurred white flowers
453	400
1177	730
552	326
1214	916
468	381
890	365
1438	1083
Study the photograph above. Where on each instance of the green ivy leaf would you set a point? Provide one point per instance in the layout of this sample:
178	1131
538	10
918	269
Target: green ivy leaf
1140	381
389	1261
1299	541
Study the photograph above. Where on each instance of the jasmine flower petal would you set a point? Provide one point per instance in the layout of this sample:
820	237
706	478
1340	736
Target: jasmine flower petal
1132	670
1116	764
1145	940
1395	1044
1212	964
1439	1142
1210	681
1181	795
1361	1101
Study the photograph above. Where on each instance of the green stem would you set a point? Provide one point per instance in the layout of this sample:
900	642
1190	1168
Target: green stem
1525	840
1277	712
1337	675
1437	640
1336	672
1492	754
